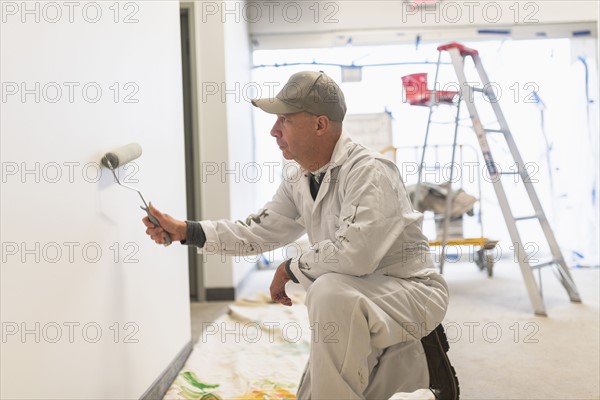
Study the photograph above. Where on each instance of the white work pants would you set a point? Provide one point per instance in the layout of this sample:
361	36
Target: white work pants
366	335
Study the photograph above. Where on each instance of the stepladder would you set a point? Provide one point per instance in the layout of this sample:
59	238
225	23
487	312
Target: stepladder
472	91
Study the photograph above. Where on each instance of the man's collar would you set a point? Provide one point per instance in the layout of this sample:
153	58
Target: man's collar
341	150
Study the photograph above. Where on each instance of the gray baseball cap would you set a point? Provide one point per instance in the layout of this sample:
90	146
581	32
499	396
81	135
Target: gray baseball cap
310	91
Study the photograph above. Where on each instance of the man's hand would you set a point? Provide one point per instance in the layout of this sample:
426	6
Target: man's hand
177	229
278	294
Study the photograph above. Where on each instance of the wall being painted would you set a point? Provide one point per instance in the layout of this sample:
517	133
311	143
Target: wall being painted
90	307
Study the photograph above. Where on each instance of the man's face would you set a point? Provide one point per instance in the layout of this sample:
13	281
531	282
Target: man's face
295	134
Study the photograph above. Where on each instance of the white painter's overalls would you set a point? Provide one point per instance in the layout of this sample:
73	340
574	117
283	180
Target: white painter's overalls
372	292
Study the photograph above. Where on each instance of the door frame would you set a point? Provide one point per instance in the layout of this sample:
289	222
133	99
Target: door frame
192	142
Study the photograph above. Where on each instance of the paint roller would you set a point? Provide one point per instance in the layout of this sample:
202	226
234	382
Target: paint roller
121	156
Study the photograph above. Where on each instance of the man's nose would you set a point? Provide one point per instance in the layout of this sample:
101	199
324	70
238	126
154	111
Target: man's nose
275	130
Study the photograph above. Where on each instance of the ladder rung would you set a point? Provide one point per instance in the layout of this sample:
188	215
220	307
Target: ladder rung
494	130
542	265
527	217
509	173
483	90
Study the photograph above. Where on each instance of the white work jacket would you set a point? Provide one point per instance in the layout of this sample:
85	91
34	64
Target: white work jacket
361	221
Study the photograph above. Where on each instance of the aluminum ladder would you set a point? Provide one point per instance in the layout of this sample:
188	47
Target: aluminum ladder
458	53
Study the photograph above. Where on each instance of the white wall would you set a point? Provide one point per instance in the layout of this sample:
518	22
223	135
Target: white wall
225	125
238	66
291	24
44	288
212	125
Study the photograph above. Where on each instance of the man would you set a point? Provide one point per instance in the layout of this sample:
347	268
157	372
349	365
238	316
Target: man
368	275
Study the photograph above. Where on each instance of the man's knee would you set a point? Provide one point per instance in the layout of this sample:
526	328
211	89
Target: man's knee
332	291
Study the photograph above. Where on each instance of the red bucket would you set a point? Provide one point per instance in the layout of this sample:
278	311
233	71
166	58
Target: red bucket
417	94
415	87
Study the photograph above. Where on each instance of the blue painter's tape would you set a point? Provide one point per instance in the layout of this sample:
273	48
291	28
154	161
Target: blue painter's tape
582	33
494	31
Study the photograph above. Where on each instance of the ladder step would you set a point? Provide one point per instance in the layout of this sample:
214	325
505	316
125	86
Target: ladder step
464	50
494	130
509	173
527	217
545	264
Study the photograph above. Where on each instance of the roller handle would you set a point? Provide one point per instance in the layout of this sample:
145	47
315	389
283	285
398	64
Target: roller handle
154	221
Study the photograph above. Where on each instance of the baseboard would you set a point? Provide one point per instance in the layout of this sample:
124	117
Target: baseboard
159	387
220	294
228	293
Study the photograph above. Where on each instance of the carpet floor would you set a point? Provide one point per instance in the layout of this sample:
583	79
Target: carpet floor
499	348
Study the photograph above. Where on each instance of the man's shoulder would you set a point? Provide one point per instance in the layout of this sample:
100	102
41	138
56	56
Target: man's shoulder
361	156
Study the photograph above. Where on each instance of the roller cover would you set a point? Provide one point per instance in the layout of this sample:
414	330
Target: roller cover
122	155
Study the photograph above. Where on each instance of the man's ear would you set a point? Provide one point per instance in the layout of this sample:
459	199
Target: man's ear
322	124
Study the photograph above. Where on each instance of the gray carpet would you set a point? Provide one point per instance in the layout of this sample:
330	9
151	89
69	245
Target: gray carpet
501	350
